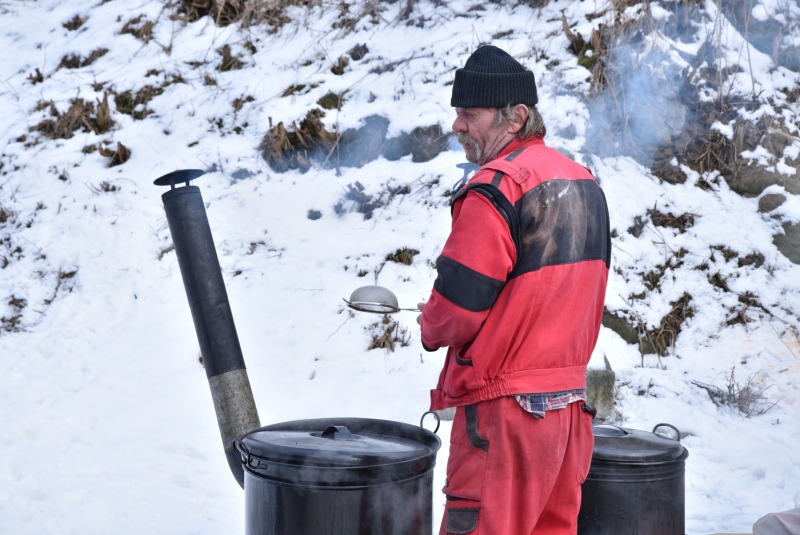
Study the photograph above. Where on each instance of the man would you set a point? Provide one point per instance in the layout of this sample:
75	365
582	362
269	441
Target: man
518	300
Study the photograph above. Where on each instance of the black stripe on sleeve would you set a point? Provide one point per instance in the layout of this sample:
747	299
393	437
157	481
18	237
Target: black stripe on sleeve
465	287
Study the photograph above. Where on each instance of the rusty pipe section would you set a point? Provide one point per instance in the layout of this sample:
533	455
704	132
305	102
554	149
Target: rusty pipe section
211	312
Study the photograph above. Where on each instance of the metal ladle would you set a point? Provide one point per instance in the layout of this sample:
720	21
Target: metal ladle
376	300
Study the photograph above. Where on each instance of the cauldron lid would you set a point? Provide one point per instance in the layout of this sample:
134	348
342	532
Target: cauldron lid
623	445
340	442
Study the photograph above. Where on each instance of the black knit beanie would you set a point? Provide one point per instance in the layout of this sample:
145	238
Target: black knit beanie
491	78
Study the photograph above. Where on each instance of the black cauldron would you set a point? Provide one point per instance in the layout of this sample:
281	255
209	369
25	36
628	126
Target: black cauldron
338	476
635	484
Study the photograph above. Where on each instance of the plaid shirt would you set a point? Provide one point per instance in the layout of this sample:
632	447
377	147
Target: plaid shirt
538	404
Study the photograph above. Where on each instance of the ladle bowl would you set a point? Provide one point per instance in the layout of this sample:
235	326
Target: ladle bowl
375	300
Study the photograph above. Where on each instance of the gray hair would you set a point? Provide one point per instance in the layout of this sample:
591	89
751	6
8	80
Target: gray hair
533	127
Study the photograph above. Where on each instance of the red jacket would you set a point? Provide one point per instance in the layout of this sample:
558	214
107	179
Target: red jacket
521	279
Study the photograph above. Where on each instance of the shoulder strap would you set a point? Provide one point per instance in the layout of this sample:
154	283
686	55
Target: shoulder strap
518	174
502	204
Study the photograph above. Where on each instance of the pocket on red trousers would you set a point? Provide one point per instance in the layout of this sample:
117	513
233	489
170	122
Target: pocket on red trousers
469	449
586	445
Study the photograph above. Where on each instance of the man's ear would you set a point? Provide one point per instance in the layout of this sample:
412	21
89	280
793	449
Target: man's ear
520	116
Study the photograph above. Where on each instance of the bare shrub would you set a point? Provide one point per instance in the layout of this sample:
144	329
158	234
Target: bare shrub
748	397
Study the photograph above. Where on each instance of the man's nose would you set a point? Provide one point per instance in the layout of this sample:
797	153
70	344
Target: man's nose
459	125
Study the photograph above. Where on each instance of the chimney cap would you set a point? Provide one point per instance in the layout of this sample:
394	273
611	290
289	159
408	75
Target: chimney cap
176	177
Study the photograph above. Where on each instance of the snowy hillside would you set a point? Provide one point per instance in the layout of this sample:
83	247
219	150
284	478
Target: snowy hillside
324	130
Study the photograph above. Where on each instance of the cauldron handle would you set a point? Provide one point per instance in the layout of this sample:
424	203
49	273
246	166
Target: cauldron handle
438	420
241	452
677	432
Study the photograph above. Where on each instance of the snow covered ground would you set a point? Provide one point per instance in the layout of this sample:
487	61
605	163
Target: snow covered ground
107	421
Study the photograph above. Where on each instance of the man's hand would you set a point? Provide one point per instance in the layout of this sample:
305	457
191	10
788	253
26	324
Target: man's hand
421	307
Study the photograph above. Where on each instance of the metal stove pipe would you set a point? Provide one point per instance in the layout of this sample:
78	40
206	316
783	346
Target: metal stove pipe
211	312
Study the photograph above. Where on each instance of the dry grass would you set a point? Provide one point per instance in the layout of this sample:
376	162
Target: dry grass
753	259
670	220
224	12
747	302
652	279
297	148
135	104
140	28
718	281
7	216
104	187
621	48
65	281
607	50
340	65
389	333
75	61
74	23
246	13
636	229
229	61
403	256
80	115
13	323
238	103
36	77
662	339
727	253
169	248
118	157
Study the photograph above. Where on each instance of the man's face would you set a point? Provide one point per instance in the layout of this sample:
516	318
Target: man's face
477	132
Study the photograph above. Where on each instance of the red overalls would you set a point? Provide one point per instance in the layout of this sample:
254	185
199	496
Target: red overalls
518	300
